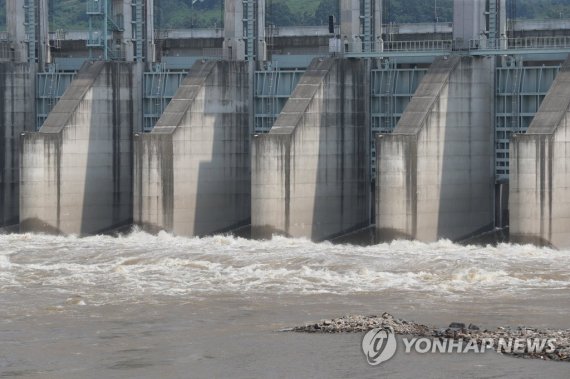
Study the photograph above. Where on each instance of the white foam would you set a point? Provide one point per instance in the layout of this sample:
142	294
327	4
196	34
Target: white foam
107	269
5	263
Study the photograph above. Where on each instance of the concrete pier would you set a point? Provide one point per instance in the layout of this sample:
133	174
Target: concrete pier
435	172
76	172
310	173
22	54
192	172
539	198
468	20
17	114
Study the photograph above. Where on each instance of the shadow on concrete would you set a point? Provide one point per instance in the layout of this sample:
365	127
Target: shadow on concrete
540	175
16	116
435	171
77	169
466	205
310	174
193	169
223	188
108	187
342	182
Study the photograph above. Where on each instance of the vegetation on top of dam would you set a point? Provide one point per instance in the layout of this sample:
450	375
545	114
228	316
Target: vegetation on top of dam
183	14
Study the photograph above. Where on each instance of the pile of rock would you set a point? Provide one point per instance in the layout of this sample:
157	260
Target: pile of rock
560	339
358	323
455	331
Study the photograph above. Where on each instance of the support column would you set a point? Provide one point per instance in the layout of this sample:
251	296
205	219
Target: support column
361	25
27	28
539	191
503	24
435	176
244	20
234	45
27	25
192	172
76	172
469	22
310	173
17	114
122	31
16	25
137	37
149	32
261	55
44	51
124	17
378	38
350	25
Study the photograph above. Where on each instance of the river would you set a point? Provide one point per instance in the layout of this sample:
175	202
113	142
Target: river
145	306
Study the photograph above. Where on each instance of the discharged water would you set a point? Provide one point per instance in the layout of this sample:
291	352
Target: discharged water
161	306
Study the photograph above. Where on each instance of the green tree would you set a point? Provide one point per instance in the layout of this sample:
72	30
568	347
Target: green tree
279	14
70	14
325	9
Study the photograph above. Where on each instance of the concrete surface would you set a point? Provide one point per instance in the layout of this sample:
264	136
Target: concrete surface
76	172
539	198
310	173
17	114
192	172
435	171
468	21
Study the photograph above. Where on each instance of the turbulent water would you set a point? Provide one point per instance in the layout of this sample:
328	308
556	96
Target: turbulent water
106	296
140	267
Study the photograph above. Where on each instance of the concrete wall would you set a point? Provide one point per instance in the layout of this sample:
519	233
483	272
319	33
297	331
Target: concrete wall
15	24
310	173
468	20
539	199
192	172
124	9
349	19
76	172
233	45
17	114
435	172
149	31
16	27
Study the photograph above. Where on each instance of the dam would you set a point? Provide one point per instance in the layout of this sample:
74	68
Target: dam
420	131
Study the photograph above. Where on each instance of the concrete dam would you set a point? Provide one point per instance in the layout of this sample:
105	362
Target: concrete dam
420	131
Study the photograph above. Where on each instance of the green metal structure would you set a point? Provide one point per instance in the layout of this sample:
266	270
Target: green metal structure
102	26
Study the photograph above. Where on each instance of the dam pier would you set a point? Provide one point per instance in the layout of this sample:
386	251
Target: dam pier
421	131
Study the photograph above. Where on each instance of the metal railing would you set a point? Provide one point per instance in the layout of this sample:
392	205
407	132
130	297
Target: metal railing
432	45
413	28
559	42
538	42
161	34
497	44
395	46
